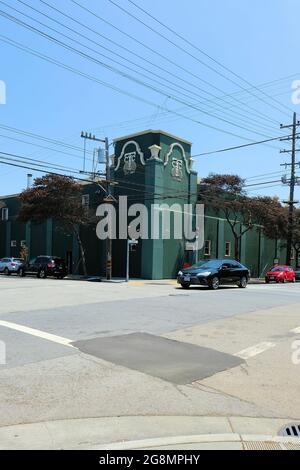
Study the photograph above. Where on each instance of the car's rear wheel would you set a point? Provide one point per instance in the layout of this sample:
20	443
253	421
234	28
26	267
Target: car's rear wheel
243	282
214	283
267	281
42	274
7	272
185	285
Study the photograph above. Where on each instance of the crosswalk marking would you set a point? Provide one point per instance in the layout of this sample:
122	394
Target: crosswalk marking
255	350
37	333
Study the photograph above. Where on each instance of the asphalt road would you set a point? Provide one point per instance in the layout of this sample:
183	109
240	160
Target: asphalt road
52	372
120	309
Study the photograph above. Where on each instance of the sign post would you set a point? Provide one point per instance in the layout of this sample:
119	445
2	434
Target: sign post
131	246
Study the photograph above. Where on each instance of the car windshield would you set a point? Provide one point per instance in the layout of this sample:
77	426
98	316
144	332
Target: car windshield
18	260
211	264
277	268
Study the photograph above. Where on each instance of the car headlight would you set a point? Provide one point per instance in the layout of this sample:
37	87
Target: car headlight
206	273
179	273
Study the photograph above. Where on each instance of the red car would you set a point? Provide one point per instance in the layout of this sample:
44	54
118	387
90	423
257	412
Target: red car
281	274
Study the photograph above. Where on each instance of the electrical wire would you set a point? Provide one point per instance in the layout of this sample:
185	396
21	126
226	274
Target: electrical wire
190	73
125	75
201	51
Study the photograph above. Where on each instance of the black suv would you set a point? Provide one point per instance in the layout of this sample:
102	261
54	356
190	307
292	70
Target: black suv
212	273
44	266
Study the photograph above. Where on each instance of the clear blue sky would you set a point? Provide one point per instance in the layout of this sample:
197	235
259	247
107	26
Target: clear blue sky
256	39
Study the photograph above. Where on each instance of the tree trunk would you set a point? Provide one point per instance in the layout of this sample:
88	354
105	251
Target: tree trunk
236	249
82	252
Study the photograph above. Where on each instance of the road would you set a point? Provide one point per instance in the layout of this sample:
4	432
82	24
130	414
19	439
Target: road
77	350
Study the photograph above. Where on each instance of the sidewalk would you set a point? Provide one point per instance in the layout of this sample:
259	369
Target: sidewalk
140	281
150	432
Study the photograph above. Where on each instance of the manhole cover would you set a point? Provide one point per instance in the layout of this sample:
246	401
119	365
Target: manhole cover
291	430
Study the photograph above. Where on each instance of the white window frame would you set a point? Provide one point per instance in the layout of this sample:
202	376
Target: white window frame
23	243
13	243
209	248
85	201
228	244
4	213
292	254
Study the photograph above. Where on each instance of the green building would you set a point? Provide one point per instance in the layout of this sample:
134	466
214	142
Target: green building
155	169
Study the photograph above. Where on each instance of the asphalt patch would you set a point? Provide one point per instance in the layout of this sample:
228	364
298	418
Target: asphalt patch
174	361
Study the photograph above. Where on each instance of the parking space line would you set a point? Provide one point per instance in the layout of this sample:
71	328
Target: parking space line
37	333
255	350
296	330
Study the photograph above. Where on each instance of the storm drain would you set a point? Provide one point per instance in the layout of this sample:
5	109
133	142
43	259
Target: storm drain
291	430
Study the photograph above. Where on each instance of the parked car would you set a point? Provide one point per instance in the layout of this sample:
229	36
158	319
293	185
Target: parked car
213	273
280	274
10	265
44	266
297	274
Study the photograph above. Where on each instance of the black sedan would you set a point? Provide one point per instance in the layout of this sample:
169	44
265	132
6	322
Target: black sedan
213	273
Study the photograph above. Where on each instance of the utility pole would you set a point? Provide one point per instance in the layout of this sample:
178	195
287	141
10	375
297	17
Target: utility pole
292	182
108	198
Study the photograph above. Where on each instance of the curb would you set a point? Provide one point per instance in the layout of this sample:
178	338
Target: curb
155	443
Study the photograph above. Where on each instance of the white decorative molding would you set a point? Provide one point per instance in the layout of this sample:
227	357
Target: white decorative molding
154	149
167	156
138	149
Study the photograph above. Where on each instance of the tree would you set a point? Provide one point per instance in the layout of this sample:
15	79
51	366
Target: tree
57	197
226	194
24	253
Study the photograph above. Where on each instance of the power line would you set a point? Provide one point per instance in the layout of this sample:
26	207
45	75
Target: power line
236	147
49	59
20	162
40	137
40	146
226	110
199	50
186	52
35	162
123	74
189	72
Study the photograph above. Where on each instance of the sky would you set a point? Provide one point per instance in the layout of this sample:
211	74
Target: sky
229	85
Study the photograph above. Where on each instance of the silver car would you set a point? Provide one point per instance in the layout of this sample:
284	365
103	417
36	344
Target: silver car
10	265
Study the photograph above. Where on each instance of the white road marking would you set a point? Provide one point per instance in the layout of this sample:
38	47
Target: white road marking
296	330
255	350
38	333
